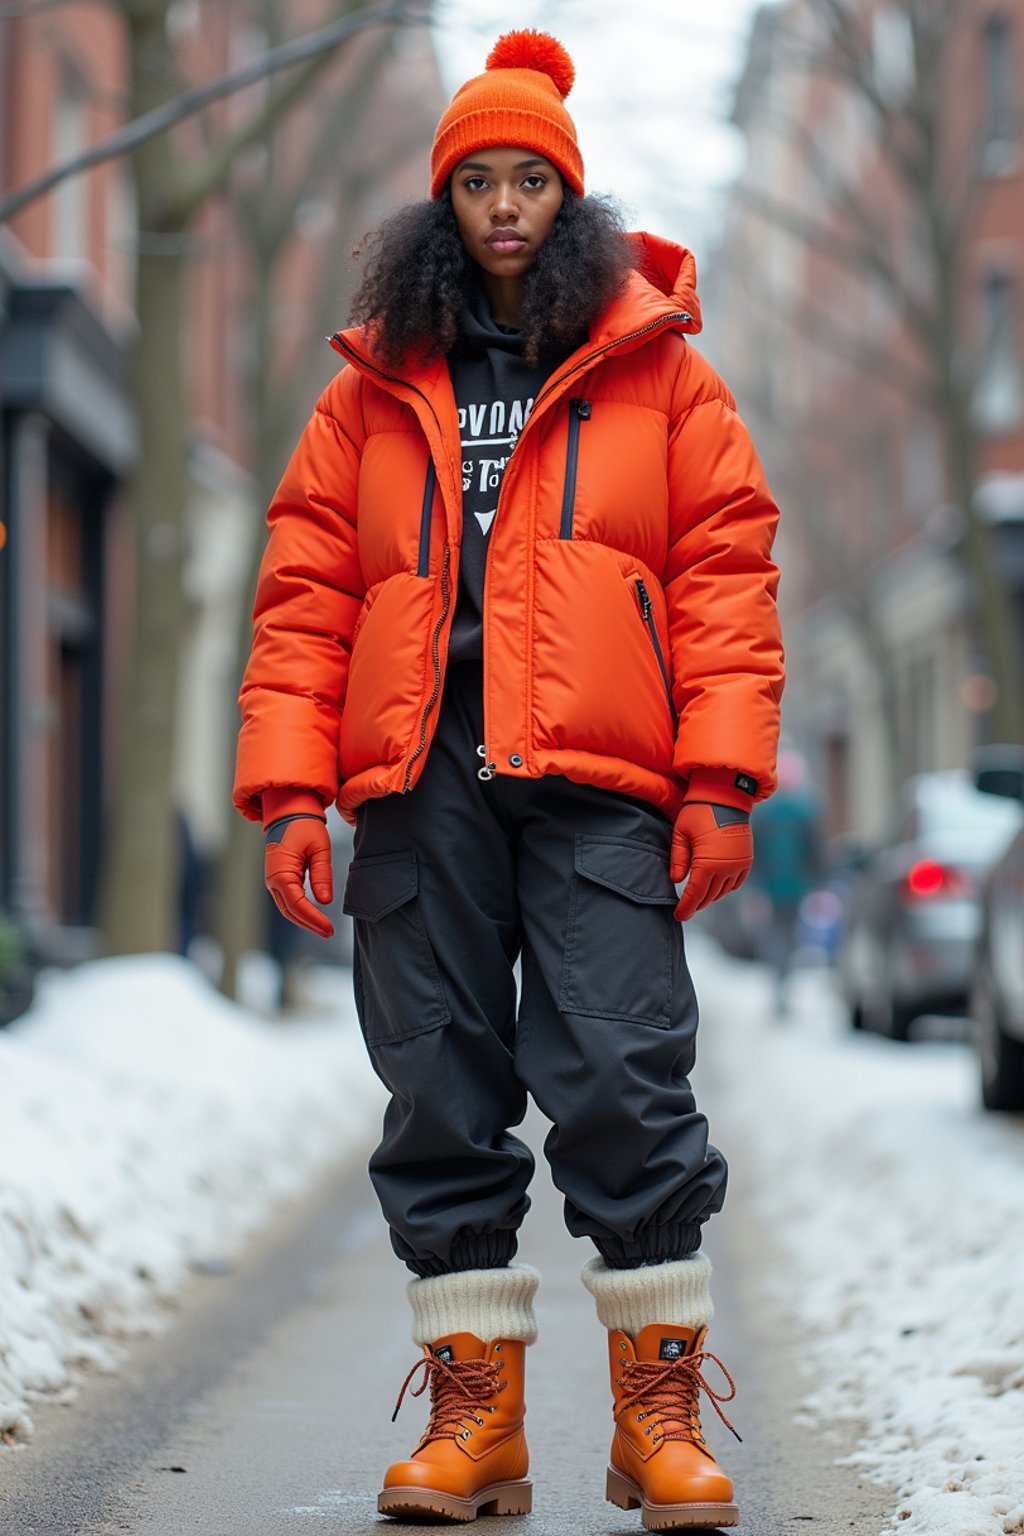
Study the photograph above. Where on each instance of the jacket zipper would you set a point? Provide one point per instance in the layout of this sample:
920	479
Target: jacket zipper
429	487
435	640
579	410
435	657
584	363
647	610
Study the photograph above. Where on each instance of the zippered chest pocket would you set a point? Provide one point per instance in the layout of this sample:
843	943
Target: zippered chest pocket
643	598
579	412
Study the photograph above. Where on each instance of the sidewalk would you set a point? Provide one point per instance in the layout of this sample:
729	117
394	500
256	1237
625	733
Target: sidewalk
275	1393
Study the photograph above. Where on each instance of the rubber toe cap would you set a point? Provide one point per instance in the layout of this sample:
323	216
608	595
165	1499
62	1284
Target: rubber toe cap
422	1474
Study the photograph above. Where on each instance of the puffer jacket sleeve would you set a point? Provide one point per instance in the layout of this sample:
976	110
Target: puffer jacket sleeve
308	597
720	583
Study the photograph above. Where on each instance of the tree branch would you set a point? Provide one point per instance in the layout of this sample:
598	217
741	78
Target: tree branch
876	362
845	251
12	9
269	210
323	41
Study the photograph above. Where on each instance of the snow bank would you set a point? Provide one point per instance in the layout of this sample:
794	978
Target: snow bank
147	1125
898	1205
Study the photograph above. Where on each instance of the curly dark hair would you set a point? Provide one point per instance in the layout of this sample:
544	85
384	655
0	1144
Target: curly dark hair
415	301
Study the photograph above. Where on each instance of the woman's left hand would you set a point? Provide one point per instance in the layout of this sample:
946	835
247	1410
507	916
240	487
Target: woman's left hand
713	844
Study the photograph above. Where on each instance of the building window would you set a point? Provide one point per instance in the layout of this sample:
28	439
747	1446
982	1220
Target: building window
923	467
920	714
999	391
892	48
69	231
999	136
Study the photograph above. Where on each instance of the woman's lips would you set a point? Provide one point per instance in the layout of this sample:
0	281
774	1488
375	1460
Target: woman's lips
503	242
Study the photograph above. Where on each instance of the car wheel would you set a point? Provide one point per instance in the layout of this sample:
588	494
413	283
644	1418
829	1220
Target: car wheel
1001	1057
895	1019
900	1020
888	1017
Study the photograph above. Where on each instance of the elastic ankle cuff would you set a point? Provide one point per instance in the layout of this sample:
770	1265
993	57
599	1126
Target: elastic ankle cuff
491	1303
630	1299
468	1250
654	1245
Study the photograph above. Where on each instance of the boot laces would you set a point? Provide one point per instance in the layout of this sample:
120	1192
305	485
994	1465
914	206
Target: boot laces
458	1389
670	1394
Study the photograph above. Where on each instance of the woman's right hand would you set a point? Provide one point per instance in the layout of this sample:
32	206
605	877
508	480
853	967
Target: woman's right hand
292	849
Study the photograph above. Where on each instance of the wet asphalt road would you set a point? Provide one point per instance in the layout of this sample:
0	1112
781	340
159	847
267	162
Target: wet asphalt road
265	1410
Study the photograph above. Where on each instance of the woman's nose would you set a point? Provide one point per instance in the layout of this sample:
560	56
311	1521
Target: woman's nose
504	205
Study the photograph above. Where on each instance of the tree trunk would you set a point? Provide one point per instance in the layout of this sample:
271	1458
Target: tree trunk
138	902
993	609
241	896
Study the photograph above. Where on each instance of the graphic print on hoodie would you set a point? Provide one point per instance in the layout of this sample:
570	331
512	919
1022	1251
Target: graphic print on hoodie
494	390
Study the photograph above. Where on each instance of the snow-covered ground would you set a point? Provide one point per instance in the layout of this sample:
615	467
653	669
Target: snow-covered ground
147	1125
898	1205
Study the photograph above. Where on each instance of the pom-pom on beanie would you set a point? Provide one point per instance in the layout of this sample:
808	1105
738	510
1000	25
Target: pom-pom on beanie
517	100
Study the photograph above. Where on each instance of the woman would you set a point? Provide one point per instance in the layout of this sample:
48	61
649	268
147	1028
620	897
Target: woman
516	617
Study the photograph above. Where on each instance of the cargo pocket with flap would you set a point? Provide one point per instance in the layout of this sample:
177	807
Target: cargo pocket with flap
622	942
399	990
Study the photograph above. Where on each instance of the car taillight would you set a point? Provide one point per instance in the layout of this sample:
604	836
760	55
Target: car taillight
928	879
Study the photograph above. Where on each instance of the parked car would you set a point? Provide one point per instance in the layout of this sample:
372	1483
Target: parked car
997	997
914	912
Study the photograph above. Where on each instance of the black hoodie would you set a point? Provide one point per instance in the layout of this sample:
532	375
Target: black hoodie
494	390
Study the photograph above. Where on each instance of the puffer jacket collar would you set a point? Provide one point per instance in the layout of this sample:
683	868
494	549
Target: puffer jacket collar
662	289
661	294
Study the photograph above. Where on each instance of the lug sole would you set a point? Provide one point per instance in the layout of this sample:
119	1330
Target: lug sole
623	1492
429	1504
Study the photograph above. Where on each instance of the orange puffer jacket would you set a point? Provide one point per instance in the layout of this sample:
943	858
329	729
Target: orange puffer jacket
630	627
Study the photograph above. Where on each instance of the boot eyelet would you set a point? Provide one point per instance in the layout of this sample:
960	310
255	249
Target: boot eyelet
480	1422
498	1348
465	1434
622	1344
640	1417
648	1429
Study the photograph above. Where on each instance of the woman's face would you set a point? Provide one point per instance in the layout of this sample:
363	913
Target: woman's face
505	202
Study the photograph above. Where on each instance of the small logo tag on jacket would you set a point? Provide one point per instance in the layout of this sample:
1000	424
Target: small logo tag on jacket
746	783
672	1349
444	1352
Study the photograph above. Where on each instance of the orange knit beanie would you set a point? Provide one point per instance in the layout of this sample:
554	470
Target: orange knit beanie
517	101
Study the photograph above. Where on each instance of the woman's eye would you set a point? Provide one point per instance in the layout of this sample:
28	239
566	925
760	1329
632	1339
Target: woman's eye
535	181
472	182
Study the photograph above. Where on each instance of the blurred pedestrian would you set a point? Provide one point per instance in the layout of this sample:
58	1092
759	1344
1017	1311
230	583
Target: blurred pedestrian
787	864
517	616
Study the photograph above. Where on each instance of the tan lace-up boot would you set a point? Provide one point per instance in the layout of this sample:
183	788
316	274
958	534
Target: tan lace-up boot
472	1459
660	1462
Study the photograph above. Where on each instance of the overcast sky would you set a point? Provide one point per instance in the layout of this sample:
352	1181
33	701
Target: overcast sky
654	84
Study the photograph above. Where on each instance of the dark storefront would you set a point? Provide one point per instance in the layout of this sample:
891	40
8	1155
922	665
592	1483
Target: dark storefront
68	437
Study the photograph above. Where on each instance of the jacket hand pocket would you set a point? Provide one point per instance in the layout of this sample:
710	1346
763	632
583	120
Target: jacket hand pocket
399	992
623	946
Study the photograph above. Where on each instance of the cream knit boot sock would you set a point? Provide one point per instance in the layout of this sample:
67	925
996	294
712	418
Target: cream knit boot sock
492	1303
629	1299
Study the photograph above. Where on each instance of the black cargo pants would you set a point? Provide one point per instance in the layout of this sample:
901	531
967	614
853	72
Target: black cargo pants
451	883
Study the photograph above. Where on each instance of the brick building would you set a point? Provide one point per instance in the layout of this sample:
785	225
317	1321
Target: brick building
887	676
68	432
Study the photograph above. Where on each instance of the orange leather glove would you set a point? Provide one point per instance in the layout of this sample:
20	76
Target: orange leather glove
711	841
297	841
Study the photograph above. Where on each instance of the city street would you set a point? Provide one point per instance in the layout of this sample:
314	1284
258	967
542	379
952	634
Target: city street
475	496
267	1406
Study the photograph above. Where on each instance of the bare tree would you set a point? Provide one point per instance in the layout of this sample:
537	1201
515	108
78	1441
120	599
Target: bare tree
140	877
938	184
266	207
